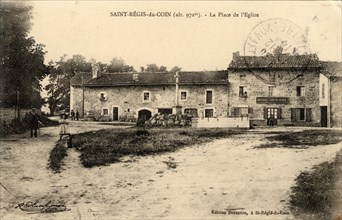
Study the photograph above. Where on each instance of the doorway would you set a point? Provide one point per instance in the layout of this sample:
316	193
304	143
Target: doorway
324	116
272	113
145	114
115	113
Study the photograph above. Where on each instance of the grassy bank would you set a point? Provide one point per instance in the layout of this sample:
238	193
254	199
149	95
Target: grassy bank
303	139
56	156
107	146
317	194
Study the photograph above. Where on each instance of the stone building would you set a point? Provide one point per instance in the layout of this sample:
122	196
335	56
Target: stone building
118	96
330	94
283	87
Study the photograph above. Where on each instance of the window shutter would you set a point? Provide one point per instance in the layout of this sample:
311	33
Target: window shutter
279	113
250	110
293	114
232	109
265	113
308	114
236	111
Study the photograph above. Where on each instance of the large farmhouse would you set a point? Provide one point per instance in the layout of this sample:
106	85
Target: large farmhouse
286	88
133	95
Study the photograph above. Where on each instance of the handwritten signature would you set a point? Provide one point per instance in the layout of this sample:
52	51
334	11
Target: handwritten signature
36	207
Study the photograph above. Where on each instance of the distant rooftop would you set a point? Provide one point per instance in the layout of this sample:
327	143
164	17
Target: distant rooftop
274	61
150	79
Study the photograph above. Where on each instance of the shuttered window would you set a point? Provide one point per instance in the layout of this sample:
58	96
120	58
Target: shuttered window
209	97
301	114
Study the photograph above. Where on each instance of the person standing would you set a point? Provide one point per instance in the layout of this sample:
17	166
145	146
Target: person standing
77	115
72	115
34	123
63	129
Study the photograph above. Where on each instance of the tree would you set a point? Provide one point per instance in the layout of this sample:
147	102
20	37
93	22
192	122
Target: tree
59	80
152	68
22	59
119	65
162	69
175	69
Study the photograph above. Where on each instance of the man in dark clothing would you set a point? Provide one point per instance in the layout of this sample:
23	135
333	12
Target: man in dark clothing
34	122
77	115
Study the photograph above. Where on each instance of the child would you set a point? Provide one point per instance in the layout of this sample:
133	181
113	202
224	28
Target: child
63	129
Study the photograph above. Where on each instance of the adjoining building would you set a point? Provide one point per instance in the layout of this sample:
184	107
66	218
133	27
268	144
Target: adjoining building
119	96
282	87
330	95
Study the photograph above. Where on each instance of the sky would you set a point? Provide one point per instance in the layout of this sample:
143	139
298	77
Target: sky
204	43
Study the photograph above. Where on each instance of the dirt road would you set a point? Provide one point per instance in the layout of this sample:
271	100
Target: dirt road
208	180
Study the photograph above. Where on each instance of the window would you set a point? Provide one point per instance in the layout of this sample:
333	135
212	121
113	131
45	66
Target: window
300	91
209	113
191	111
272	77
105	111
103	96
241	111
183	96
323	90
301	114
147	97
270	90
242	91
209	97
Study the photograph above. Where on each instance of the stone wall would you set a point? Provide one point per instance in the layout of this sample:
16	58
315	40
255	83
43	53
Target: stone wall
284	85
129	99
335	102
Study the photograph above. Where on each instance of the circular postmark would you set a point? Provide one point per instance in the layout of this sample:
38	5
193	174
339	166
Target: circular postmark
276	44
273	33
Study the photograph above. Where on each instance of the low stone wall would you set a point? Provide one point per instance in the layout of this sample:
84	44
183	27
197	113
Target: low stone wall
231	122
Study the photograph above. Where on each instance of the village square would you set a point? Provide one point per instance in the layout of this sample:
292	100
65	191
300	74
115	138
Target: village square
257	135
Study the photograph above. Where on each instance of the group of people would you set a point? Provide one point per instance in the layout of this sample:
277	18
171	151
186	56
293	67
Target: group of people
74	116
34	123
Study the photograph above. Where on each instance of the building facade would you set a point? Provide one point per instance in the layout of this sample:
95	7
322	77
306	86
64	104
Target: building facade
330	99
282	87
132	95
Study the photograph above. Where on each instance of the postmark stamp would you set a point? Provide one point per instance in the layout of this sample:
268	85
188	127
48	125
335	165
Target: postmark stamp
276	32
276	44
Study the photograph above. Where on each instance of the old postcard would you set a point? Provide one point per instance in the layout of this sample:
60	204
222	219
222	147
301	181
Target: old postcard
171	110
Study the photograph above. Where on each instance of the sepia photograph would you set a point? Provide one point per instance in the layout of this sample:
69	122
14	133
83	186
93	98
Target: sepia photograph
171	110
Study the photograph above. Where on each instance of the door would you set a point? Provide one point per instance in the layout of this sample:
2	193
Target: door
272	115
324	116
115	113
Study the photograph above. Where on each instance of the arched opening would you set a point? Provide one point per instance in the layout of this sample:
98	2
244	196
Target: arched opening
145	114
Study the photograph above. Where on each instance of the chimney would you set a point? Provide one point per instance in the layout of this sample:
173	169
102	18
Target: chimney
96	71
236	55
135	77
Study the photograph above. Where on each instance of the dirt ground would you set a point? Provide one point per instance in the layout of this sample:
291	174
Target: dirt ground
209	179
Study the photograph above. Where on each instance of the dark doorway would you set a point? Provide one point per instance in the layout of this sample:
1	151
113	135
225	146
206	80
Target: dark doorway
145	114
324	116
115	113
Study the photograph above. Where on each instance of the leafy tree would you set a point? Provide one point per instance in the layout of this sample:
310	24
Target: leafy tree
22	59
162	69
59	80
175	69
119	65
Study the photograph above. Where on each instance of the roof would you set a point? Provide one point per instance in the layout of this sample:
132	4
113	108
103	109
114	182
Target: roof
332	69
150	79
275	61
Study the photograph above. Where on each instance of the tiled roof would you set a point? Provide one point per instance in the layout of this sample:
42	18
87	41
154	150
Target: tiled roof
148	79
332	69
275	61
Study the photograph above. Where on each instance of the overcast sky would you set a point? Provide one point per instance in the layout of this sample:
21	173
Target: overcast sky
206	43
